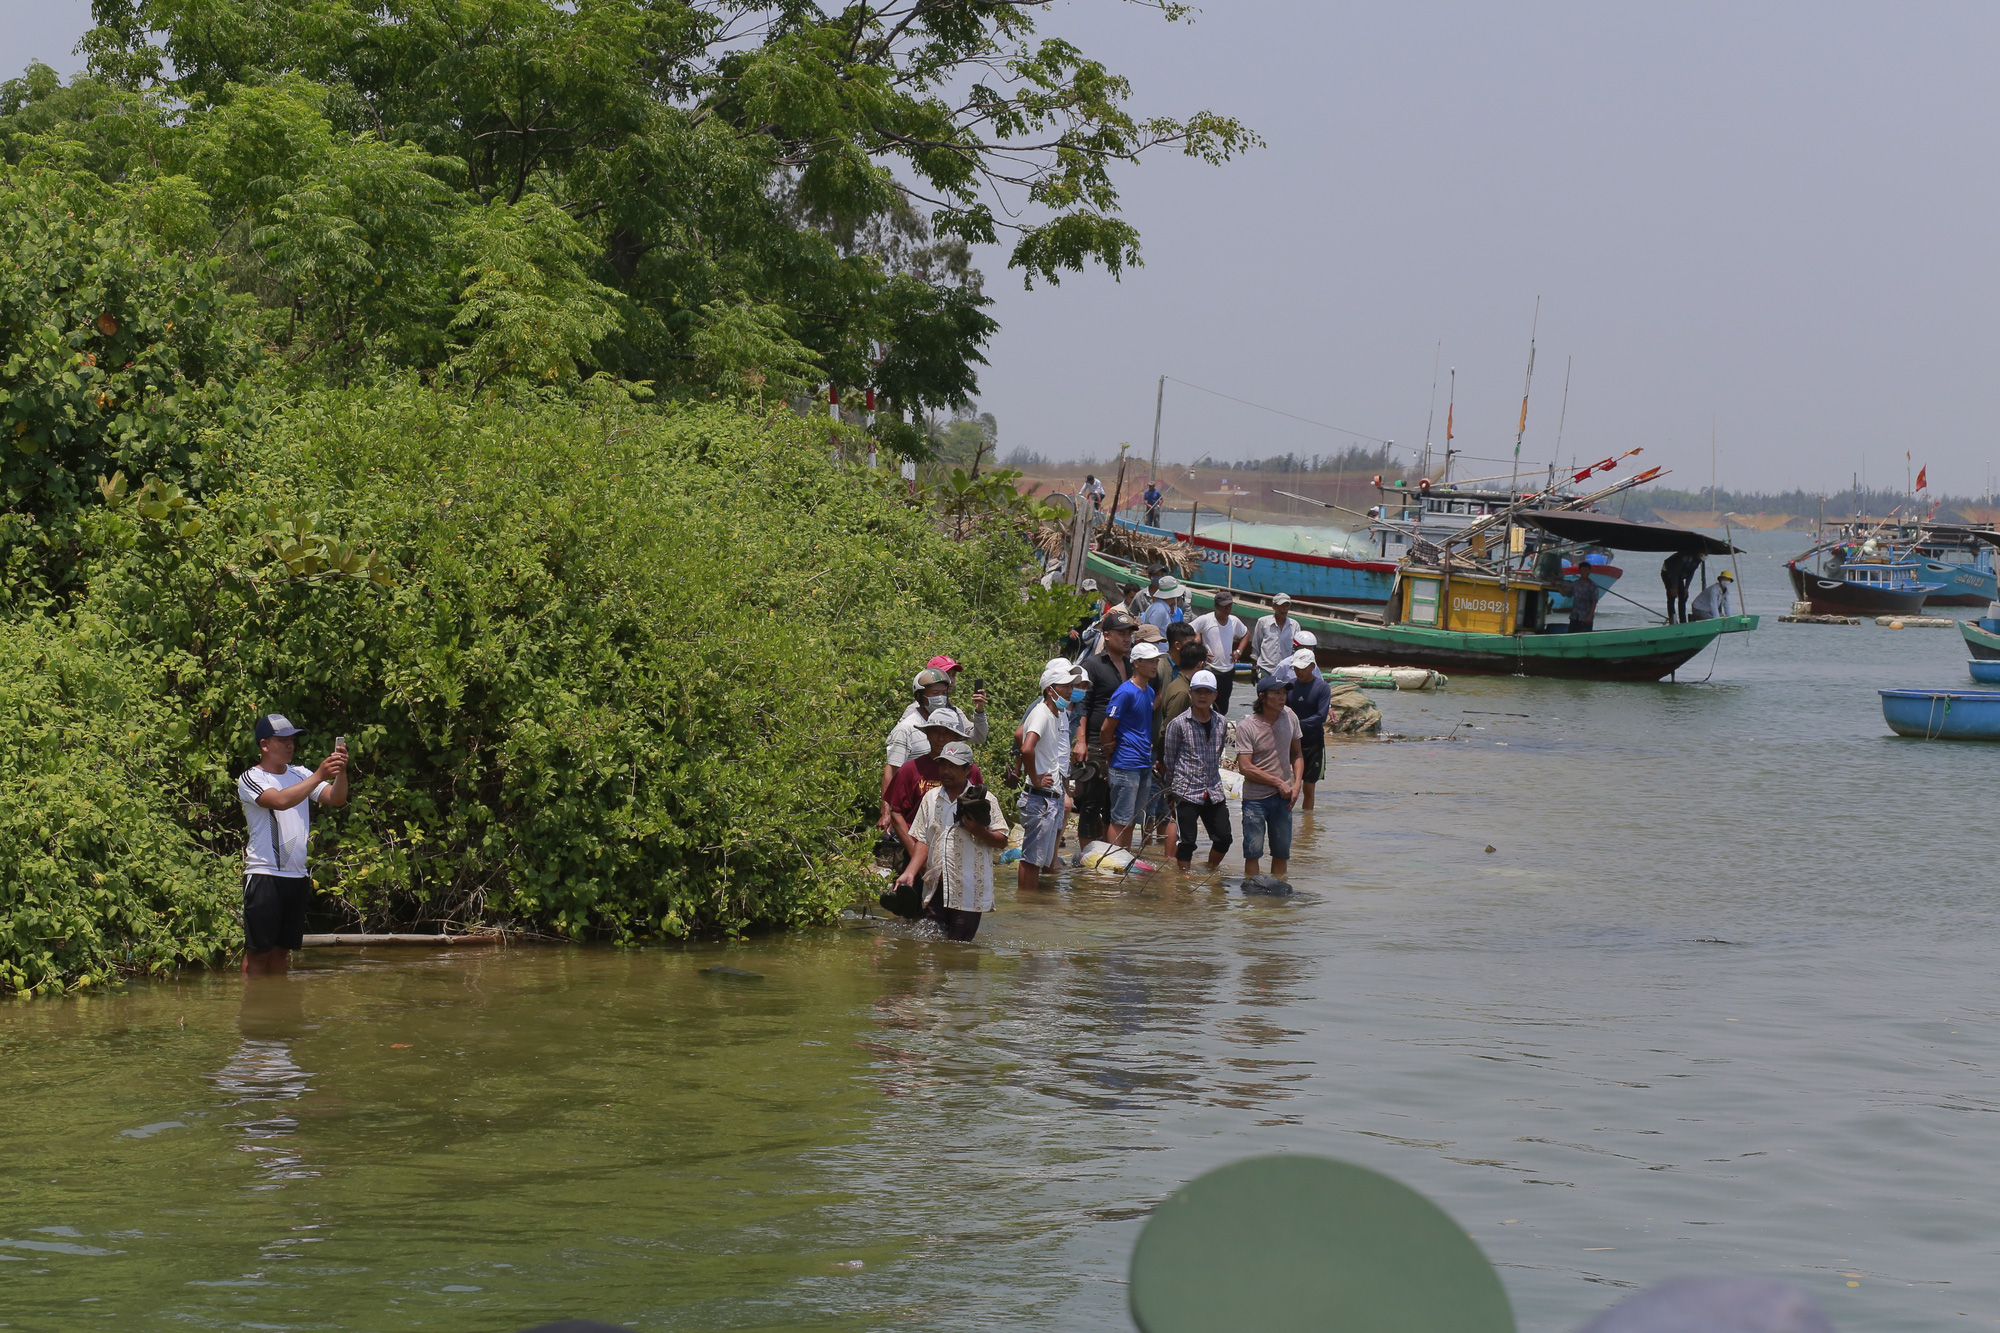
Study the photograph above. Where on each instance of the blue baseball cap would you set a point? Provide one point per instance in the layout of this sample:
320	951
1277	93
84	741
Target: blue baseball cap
1271	682
275	724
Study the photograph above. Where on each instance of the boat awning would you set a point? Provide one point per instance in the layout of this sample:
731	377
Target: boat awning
1621	535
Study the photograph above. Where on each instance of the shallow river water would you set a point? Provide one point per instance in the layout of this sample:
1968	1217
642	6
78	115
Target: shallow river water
1720	1001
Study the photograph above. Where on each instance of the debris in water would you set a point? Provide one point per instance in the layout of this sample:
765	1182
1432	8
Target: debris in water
1710	939
732	973
1267	885
1491	848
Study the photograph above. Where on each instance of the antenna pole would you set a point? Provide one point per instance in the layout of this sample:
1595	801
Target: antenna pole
1424	470
1526	385
1159	404
1451	408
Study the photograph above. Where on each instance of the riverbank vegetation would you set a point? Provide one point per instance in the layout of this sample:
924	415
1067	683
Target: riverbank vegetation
436	378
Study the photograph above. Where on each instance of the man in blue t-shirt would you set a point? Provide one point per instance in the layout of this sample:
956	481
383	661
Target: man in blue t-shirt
1127	738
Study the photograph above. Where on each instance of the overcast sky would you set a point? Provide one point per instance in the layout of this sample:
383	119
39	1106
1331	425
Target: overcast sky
1780	218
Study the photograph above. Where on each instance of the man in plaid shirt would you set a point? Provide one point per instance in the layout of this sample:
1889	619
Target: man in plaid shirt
1190	764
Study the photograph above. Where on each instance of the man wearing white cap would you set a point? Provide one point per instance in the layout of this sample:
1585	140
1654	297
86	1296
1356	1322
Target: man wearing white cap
1271	640
1191	755
278	797
1309	697
955	845
1126	739
1044	760
915	779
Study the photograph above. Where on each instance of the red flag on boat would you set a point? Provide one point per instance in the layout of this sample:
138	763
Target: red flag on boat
1920	477
1607	464
1447	425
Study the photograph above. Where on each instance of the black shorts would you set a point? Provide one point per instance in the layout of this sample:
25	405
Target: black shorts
274	912
1312	748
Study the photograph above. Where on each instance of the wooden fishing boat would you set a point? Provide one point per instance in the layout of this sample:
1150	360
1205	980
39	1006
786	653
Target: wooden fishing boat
1943	715
1982	638
1264	572
1488	628
1862	590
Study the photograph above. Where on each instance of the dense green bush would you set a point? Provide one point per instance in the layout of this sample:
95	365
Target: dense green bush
618	671
98	870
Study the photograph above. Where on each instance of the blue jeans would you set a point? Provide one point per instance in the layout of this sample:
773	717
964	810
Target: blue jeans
1273	816
1041	825
1129	789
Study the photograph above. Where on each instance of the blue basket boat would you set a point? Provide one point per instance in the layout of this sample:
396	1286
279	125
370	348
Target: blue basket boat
1943	715
1984	671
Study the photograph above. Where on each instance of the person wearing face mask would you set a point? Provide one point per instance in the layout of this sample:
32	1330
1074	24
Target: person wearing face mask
945	725
932	689
1044	759
1108	671
976	714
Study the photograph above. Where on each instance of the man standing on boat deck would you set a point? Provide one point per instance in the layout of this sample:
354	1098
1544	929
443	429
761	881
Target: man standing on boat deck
1107	671
1222	632
1583	598
1153	498
1677	571
1271	640
1309	697
278	797
1713	604
1273	771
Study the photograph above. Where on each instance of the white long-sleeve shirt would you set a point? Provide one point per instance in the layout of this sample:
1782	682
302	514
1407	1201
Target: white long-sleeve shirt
1712	604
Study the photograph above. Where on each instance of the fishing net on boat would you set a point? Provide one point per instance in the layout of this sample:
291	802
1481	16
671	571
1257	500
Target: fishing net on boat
1142	549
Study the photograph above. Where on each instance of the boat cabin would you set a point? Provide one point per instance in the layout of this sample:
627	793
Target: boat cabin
1469	601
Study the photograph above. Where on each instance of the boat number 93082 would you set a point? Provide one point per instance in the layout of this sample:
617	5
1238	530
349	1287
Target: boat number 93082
1479	604
1227	558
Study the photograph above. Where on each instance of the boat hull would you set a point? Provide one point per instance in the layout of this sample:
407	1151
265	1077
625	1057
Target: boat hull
1943	715
1981	642
1964	585
1835	597
1985	670
1650	652
1262	572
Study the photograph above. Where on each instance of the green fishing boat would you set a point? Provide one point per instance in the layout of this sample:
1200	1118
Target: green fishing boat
1471	619
1981	640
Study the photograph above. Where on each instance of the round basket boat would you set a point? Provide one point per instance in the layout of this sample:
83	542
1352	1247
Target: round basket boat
1943	715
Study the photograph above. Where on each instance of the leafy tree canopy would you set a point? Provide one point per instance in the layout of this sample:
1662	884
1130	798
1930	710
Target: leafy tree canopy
708	195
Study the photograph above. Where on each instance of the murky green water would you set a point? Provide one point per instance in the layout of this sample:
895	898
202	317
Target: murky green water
892	1132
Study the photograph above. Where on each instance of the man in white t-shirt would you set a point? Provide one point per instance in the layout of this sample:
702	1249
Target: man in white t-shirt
1224	633
1044	759
278	797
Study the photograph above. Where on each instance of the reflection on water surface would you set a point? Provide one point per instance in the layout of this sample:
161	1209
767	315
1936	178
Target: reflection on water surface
1722	1001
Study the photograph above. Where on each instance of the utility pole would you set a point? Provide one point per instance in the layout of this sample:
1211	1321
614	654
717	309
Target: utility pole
1159	402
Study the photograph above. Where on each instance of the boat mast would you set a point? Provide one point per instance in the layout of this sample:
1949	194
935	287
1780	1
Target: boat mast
1526	385
1159	404
1451	407
1424	468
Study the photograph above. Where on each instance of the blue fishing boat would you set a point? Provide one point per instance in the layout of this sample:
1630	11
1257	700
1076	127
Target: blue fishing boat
1263	572
1876	579
1943	715
1984	670
1958	557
